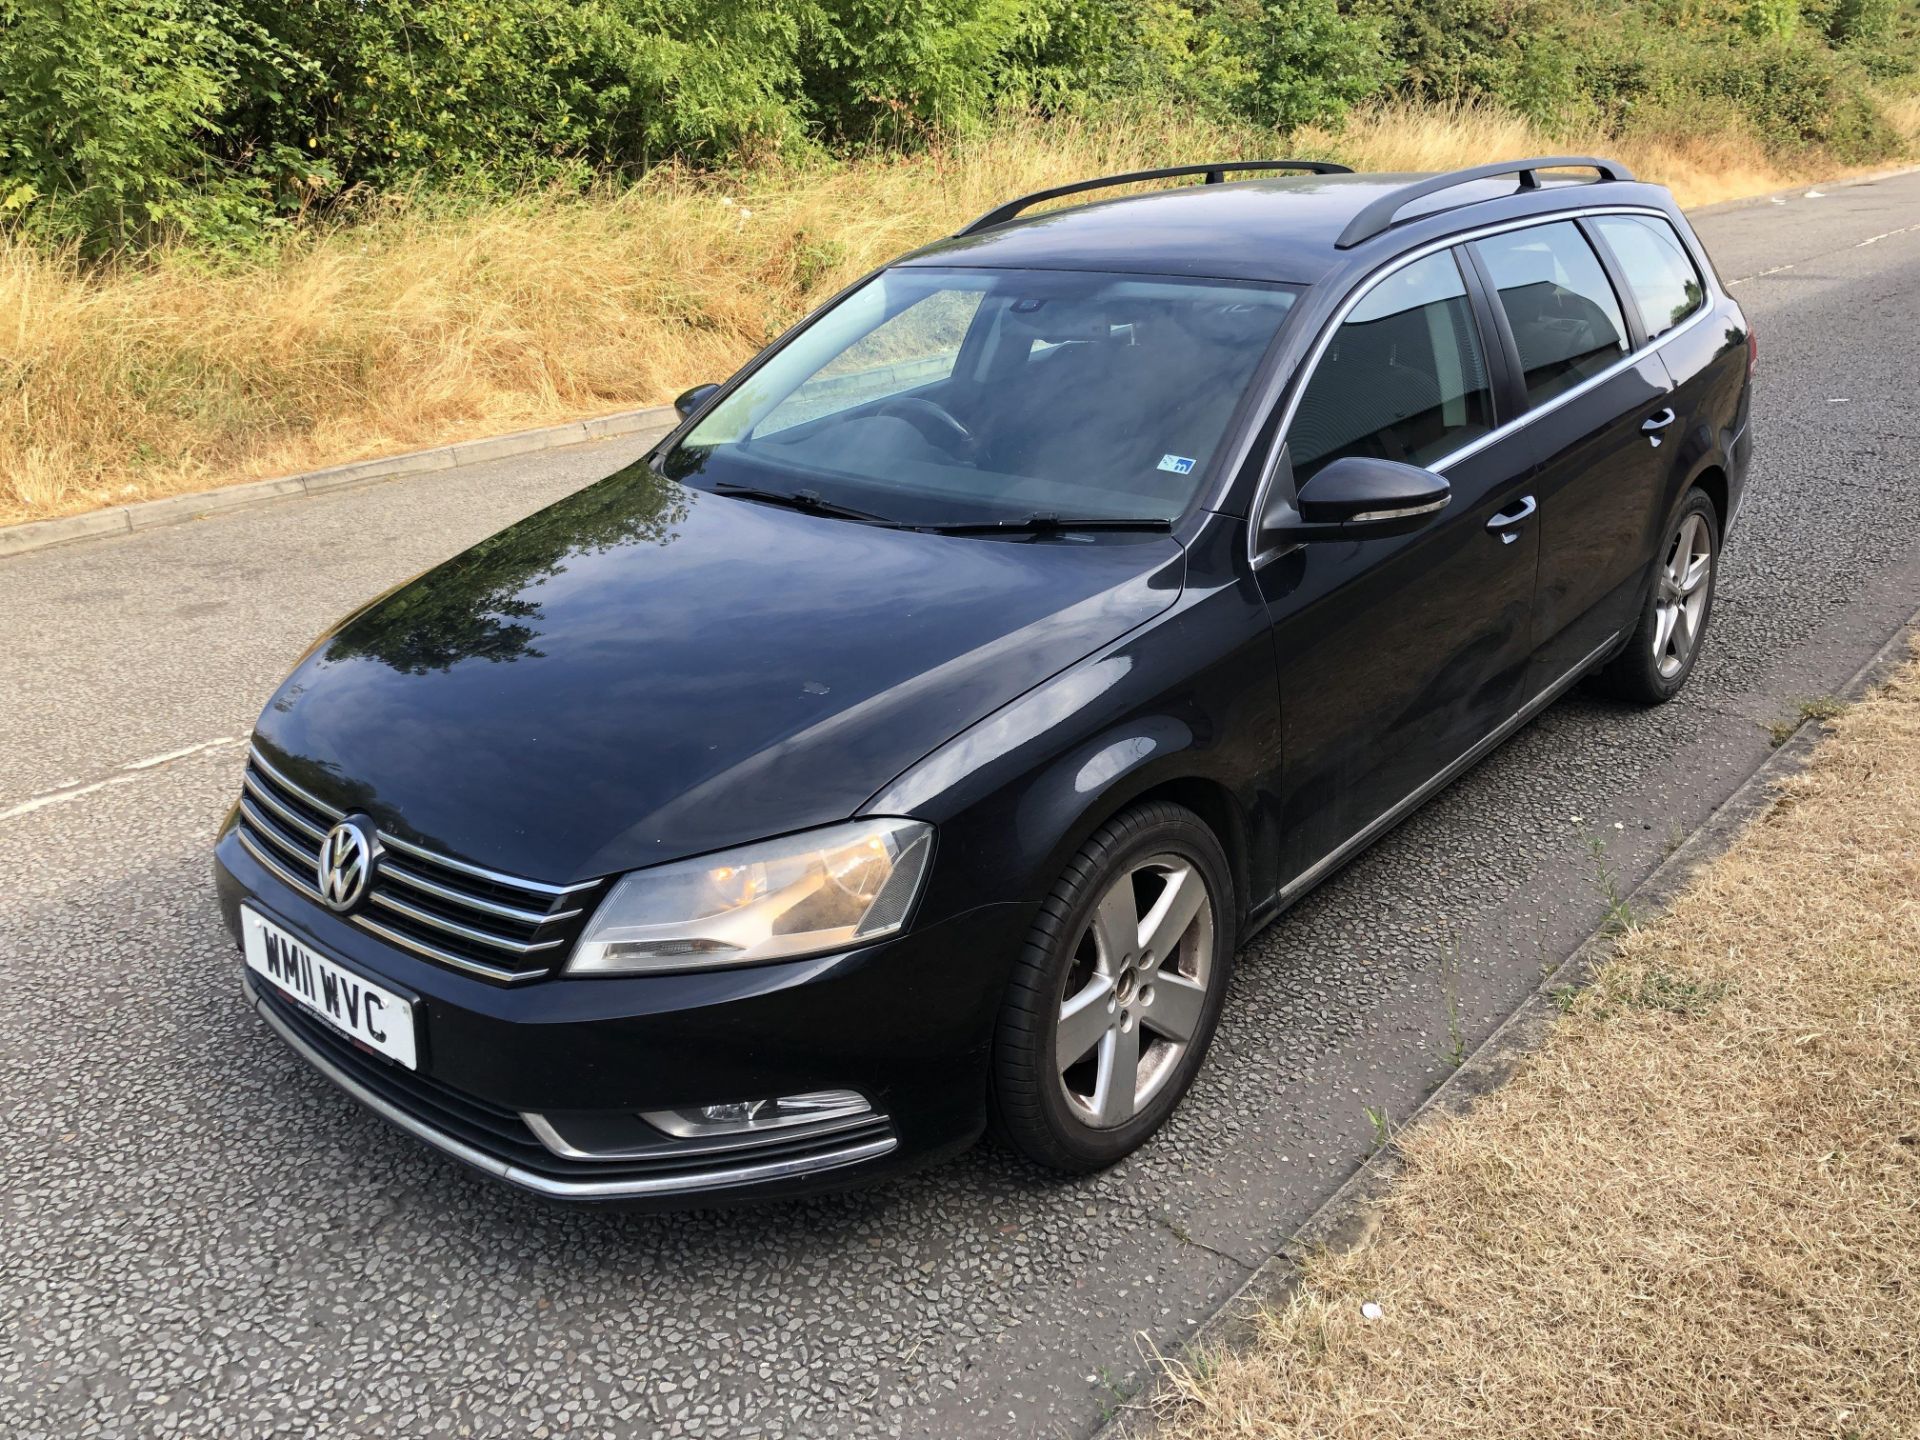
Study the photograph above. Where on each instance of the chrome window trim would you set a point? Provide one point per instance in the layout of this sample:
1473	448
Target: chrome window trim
1699	273
718	1178
1298	381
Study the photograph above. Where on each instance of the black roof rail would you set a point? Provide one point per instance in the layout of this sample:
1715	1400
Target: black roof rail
1378	216
1215	173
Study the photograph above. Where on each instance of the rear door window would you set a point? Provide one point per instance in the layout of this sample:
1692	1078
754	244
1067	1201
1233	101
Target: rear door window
1404	377
1565	318
1661	274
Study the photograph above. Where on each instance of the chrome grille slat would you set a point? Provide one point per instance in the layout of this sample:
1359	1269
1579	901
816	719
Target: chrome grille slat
277	866
450	911
454	927
333	812
391	871
275	836
445	957
480	872
280	808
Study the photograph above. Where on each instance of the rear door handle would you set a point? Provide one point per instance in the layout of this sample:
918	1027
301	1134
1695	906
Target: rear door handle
1503	521
1655	423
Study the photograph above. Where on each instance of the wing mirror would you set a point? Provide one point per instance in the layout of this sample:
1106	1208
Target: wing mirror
688	401
1355	498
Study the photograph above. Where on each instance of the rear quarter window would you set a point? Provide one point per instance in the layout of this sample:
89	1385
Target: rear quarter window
1660	272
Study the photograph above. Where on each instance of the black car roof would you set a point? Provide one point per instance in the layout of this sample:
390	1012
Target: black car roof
1281	229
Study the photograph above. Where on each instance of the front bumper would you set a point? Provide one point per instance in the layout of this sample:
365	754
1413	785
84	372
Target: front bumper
906	1023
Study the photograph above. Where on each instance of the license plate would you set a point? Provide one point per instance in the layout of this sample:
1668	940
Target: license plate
357	1008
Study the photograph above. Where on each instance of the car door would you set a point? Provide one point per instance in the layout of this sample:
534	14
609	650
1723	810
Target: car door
1396	656
1595	411
1705	357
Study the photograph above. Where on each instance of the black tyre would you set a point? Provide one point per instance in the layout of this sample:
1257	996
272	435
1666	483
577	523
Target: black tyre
1116	993
1661	652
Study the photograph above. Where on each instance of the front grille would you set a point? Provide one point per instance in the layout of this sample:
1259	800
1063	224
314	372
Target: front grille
461	915
439	1114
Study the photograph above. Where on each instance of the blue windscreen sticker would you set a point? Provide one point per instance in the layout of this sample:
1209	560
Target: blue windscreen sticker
1178	464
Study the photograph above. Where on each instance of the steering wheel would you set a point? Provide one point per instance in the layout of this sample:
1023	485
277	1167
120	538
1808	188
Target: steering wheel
935	422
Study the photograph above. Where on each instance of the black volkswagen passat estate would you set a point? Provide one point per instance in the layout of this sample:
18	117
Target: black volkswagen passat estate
905	745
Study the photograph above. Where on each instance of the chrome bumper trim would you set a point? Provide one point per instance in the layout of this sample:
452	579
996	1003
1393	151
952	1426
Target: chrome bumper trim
545	1132
718	1179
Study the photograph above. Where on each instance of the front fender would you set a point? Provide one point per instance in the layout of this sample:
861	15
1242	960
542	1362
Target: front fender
1016	794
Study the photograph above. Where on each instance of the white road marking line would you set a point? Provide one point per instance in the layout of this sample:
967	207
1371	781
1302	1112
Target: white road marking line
1871	239
130	771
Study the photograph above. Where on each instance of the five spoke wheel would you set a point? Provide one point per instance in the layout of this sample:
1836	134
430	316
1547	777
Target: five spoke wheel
1655	660
1136	989
1117	991
1680	595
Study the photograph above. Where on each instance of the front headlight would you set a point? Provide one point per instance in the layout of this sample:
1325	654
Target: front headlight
803	895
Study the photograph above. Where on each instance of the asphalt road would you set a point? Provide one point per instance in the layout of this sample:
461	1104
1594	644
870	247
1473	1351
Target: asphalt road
199	1236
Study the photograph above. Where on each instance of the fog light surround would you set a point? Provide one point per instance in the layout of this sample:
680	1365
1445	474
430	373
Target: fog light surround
744	1117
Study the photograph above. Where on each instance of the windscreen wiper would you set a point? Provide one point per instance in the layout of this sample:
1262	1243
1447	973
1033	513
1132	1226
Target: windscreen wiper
806	500
1046	522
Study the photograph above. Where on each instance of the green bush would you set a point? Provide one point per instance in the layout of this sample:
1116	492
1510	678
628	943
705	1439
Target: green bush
114	115
1307	61
1798	94
218	120
1797	73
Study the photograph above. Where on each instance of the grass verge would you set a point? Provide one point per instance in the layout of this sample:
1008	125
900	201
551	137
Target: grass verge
422	324
1695	1211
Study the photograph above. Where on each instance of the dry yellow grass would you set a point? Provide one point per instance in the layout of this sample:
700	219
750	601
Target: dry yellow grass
1700	169
1696	1212
414	328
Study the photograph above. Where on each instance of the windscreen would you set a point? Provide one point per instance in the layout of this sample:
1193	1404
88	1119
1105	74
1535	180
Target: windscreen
937	396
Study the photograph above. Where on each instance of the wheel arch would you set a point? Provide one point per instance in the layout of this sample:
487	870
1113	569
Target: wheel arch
1712	478
1216	808
1182	778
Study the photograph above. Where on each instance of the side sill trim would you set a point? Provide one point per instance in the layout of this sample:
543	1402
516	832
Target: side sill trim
1377	827
565	1189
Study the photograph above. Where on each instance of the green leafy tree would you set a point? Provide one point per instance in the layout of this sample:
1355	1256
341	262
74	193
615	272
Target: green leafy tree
115	117
888	70
1307	60
123	121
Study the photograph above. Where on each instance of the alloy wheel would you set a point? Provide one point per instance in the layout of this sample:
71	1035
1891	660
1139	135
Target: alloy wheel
1680	598
1136	990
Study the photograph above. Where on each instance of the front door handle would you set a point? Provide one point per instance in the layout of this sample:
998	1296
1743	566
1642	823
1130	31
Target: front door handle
1655	423
1504	520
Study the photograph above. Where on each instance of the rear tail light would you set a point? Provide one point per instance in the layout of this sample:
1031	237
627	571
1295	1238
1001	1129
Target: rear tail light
1753	350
